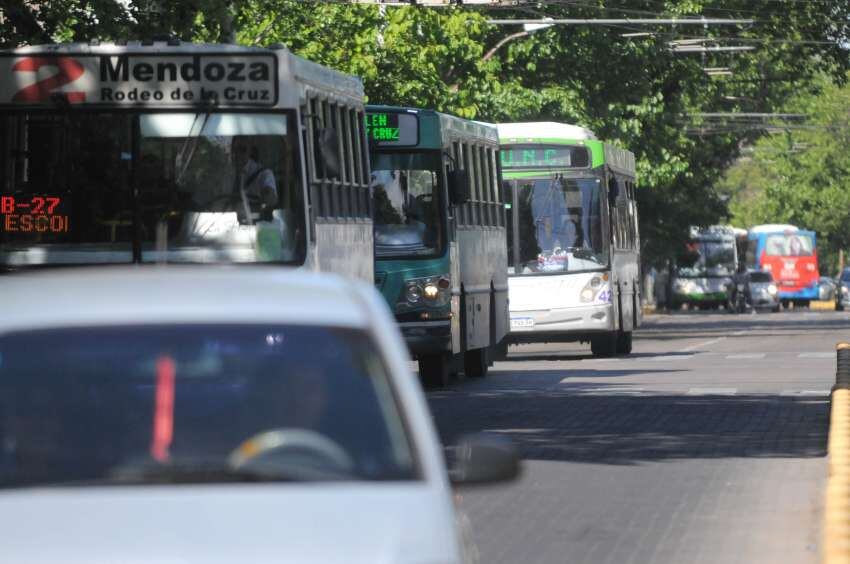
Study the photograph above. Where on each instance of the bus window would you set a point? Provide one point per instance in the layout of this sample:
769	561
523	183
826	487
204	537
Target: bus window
406	204
795	244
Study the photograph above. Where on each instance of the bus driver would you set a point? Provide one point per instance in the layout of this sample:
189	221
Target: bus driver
257	181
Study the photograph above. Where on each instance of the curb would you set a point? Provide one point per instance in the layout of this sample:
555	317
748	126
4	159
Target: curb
836	541
825	305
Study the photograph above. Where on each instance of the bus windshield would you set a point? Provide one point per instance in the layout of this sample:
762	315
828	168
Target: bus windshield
785	245
406	203
559	226
86	187
707	258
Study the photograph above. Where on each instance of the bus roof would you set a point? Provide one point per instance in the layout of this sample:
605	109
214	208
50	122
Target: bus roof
774	228
539	131
437	129
88	70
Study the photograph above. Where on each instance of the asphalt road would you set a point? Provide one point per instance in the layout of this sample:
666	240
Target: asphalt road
707	444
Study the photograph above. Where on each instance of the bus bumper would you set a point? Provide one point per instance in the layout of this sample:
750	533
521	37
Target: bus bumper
561	325
427	337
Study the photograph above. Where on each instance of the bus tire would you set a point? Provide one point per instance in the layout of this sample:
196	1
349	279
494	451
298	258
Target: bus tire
475	363
434	370
624	342
604	345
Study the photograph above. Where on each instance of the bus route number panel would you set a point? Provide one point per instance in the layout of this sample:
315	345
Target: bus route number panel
25	214
519	156
392	129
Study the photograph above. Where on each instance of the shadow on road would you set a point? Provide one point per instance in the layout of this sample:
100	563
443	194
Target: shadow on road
679	324
585	423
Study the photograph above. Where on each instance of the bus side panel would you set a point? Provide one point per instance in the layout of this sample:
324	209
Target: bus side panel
625	273
454	266
482	255
345	249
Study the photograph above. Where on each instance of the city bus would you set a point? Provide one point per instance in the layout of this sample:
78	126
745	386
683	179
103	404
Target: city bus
790	255
704	269
167	152
573	244
439	236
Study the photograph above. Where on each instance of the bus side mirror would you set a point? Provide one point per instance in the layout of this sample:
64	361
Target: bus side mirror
328	156
459	187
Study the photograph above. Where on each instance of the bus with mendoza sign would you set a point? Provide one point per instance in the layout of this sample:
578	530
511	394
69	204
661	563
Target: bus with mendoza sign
169	152
572	233
439	236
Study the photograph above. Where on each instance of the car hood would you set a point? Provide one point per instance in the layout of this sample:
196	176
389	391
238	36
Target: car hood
315	523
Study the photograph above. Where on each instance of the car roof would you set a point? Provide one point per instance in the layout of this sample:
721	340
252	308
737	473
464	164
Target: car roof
108	296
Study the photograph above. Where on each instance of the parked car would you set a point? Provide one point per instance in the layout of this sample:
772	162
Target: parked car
826	288
754	289
842	290
218	415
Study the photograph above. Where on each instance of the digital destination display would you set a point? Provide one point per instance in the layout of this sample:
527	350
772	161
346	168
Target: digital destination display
392	129
33	214
530	156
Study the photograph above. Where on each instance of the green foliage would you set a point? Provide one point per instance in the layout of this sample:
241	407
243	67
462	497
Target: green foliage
632	91
801	176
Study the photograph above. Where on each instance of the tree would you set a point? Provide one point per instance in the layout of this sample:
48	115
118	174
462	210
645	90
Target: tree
801	176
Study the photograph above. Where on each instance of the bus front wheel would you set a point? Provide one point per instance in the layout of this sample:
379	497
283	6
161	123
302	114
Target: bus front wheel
604	345
434	370
475	363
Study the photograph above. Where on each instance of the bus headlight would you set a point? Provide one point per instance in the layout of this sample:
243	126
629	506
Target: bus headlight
431	291
845	290
772	289
413	293
596	289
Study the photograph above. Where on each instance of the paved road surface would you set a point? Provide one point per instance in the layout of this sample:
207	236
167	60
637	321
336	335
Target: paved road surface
706	445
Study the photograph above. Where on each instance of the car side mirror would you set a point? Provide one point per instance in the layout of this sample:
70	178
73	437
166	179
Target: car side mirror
328	156
459	187
483	459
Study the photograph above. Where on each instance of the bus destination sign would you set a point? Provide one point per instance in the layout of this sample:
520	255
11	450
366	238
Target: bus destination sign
531	156
392	129
135	79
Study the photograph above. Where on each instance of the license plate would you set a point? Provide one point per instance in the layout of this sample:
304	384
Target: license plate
522	323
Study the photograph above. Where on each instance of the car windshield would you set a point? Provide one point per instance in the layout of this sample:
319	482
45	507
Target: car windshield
845	276
707	258
558	224
196	403
406	203
784	245
178	187
760	277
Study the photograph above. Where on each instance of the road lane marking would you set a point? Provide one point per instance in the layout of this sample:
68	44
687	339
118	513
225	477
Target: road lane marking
700	345
712	391
745	356
816	355
739	333
665	358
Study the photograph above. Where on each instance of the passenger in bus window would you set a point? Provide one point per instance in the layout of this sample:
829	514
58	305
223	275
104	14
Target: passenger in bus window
257	180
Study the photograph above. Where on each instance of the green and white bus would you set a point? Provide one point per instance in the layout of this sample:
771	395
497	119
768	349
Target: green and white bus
148	152
439	236
573	244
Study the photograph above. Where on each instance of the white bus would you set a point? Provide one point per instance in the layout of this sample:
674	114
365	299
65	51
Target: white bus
181	153
573	245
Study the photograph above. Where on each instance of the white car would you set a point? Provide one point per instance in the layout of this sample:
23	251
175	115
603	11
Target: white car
204	415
